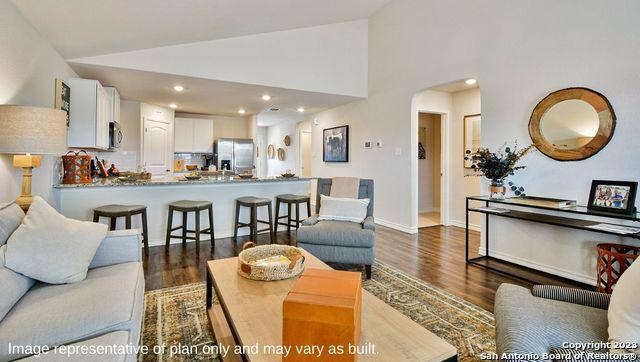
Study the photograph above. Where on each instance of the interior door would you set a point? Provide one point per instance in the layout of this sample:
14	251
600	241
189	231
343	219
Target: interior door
305	154
157	147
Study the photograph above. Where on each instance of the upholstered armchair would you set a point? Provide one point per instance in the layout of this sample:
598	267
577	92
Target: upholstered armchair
341	242
540	320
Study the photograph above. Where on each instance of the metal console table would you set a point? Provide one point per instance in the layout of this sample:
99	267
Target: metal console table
570	217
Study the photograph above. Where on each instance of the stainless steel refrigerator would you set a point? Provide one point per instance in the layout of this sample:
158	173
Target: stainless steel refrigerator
233	154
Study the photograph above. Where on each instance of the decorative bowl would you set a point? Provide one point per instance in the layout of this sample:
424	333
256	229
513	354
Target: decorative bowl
245	175
192	167
192	177
251	256
288	175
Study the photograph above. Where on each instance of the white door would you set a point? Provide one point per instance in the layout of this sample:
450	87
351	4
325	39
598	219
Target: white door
157	147
305	154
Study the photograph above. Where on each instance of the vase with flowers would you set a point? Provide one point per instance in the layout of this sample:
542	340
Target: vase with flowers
497	166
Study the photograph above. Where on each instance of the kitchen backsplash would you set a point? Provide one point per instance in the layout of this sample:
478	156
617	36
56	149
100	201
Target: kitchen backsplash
190	158
124	160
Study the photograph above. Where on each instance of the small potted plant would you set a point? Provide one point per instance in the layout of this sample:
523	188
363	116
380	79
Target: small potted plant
497	166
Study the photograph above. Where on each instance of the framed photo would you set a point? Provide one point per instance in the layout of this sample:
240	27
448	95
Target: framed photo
63	97
613	196
335	144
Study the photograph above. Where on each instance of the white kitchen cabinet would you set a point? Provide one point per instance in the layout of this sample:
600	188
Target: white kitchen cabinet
114	107
193	135
183	133
203	135
89	116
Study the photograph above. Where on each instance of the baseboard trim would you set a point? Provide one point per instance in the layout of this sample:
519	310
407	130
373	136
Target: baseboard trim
461	224
586	279
205	238
396	226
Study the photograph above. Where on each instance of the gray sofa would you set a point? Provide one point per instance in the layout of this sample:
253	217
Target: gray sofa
104	309
540	320
341	241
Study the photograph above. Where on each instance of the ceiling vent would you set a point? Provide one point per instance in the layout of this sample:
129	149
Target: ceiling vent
273	109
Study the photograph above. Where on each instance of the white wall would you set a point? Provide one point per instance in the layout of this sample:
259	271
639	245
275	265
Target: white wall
463	103
28	69
275	136
329	59
519	52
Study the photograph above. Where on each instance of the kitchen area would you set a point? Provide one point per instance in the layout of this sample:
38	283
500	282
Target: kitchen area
131	152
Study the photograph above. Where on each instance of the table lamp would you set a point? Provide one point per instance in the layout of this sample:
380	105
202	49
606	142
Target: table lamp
27	130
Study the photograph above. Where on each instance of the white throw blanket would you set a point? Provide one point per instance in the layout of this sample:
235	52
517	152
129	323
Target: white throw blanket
345	187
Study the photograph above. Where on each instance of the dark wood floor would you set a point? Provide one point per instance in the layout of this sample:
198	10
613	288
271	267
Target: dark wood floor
435	255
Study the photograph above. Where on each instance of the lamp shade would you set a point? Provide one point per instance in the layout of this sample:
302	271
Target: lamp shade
32	130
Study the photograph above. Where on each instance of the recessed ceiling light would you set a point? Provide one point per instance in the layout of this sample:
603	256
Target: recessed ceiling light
300	109
241	111
173	105
471	81
266	97
178	88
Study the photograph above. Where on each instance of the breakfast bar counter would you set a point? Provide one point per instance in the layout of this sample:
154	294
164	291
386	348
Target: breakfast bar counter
79	200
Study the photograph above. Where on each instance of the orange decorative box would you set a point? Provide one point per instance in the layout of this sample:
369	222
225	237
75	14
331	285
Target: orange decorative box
323	309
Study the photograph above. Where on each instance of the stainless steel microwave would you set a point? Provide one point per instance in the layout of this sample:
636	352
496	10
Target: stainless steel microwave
115	136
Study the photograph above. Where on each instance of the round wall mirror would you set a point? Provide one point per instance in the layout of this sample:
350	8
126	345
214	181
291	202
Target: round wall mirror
572	124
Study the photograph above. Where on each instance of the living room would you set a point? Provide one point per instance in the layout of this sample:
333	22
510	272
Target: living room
167	248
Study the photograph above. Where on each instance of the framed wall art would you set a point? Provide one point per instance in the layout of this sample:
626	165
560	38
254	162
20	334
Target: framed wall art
335	144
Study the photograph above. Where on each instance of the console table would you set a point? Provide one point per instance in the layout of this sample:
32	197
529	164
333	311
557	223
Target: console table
574	217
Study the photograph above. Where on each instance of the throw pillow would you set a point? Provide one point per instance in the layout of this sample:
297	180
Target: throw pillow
624	309
51	248
343	209
10	218
14	286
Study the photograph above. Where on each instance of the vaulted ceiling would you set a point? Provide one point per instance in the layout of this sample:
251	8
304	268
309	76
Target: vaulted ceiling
80	28
227	53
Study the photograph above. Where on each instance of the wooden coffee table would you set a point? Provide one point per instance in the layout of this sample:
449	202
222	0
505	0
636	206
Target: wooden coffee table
250	312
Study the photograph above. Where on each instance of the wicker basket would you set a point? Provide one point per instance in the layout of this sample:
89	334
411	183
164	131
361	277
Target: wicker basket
77	168
252	253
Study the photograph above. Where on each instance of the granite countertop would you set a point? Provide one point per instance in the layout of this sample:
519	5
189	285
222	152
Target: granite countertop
177	180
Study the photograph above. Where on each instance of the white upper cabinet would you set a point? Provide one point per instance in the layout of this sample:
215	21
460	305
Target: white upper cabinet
203	135
183	131
115	104
193	135
89	116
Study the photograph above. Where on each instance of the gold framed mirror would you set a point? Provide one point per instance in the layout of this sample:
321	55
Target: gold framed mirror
572	124
471	135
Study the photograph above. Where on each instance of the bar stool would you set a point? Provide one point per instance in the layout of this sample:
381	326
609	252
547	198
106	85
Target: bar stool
253	203
113	212
187	206
290	200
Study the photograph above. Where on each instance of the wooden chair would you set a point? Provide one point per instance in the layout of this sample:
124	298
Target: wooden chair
113	212
186	207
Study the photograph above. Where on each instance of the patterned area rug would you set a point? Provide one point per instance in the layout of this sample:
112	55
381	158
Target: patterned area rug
176	317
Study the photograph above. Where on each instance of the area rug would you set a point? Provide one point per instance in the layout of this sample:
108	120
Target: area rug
175	320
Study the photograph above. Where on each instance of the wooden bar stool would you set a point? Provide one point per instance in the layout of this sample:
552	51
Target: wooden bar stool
187	206
291	200
253	203
113	212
